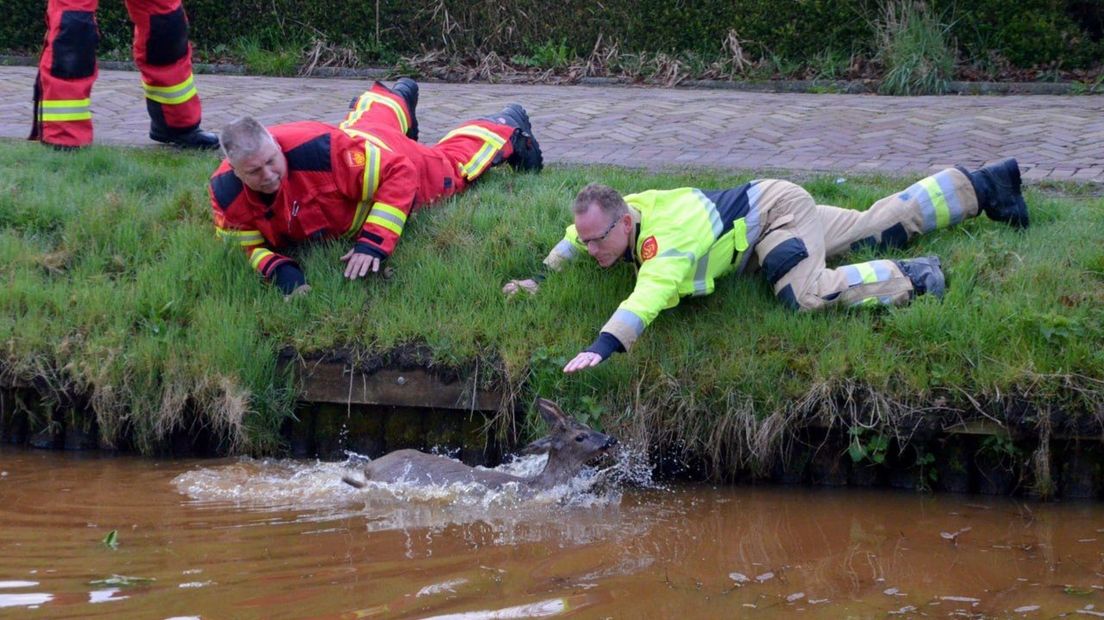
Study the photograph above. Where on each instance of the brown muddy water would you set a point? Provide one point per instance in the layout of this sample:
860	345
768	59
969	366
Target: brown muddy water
287	539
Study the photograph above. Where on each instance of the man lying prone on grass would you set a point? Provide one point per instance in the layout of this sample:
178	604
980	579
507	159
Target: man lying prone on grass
680	240
306	181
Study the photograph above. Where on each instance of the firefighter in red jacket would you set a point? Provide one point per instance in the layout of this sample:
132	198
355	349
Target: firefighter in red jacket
305	181
67	70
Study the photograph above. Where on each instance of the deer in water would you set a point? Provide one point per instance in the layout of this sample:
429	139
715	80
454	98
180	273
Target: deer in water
569	444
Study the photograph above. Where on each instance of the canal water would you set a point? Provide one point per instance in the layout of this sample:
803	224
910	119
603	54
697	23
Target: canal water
237	538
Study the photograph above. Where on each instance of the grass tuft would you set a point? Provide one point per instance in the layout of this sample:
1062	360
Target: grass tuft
914	47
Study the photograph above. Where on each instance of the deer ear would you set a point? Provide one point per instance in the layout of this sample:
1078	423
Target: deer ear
540	446
550	411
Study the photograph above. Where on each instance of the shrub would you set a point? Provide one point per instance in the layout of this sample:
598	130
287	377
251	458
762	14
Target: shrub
1034	32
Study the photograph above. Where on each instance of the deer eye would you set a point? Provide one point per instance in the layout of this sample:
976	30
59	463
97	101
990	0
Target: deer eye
580	437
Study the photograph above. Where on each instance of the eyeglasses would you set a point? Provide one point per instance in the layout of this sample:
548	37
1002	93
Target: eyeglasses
599	239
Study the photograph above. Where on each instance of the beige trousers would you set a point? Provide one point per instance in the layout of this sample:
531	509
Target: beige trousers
799	235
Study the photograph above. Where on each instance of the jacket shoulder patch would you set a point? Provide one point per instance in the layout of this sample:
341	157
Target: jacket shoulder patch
311	156
649	249
354	158
225	189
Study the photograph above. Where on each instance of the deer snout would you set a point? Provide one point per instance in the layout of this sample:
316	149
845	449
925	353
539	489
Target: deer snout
610	443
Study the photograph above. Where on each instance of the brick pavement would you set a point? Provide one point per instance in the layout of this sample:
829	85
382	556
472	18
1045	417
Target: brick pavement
1054	137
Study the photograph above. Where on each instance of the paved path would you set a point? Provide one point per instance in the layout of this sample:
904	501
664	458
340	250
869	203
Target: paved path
1054	137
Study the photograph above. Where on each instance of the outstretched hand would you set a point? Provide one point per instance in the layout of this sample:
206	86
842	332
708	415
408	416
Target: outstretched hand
582	361
528	285
357	265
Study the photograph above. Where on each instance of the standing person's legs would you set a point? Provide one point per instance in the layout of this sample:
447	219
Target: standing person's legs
164	58
791	254
66	72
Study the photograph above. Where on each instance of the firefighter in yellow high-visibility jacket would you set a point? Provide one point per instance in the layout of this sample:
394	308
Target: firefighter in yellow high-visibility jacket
681	240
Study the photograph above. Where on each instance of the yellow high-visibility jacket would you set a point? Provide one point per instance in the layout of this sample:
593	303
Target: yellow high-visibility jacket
685	239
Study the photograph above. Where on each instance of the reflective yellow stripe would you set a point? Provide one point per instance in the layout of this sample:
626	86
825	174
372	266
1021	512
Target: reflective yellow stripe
243	237
55	110
938	200
371	180
71	116
388	217
66	103
358	218
492	142
475	131
167	90
365	102
394	212
480	161
379	221
356	133
171	95
866	270
369	184
259	255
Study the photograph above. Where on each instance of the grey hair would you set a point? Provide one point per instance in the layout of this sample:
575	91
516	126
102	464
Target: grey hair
607	199
243	137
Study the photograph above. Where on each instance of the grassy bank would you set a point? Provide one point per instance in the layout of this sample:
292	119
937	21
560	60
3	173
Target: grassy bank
114	286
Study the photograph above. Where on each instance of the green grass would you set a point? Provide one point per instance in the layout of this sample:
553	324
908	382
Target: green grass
115	286
268	58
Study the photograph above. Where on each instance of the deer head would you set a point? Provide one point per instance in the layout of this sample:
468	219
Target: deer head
570	444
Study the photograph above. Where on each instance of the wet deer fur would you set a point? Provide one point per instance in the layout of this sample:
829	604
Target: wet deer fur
569	444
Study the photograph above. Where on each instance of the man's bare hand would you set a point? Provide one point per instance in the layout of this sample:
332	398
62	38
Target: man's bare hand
300	291
528	285
357	265
582	361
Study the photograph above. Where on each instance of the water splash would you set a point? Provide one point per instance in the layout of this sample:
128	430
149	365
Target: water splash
315	488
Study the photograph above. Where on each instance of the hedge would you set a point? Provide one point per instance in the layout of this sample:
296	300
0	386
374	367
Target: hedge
1065	33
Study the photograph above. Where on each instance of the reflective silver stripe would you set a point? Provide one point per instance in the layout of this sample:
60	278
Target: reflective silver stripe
947	184
677	254
881	270
927	209
628	319
711	212
699	277
852	274
77	109
384	215
753	214
170	95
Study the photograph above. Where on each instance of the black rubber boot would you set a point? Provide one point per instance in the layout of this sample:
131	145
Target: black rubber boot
926	275
407	88
998	192
194	139
527	153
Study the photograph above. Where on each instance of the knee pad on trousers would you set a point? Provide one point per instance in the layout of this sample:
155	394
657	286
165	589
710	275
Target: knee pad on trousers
74	47
167	41
782	258
788	298
893	237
